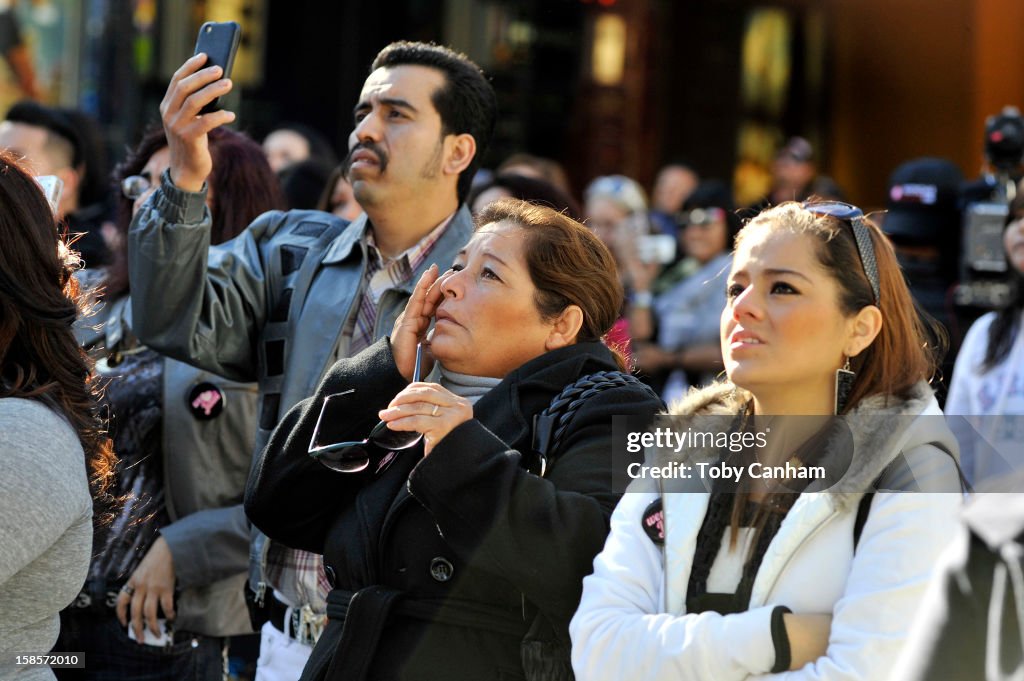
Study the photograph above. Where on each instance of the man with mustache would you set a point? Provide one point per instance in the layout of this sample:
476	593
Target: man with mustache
300	289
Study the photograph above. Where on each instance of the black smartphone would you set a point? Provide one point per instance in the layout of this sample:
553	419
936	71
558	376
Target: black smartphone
219	41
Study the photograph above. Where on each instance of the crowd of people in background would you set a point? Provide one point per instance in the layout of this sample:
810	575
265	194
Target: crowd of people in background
228	290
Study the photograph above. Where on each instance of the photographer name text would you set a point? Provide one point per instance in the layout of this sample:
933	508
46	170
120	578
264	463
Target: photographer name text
723	471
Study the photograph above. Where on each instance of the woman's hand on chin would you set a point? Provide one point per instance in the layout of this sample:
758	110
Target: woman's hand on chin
429	409
412	325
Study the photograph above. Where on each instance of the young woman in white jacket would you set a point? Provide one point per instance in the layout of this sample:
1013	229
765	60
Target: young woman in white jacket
988	379
754	580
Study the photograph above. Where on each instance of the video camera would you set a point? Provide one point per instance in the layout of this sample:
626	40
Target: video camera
984	271
1004	140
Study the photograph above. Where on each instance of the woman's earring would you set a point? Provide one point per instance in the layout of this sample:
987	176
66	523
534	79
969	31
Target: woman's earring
844	386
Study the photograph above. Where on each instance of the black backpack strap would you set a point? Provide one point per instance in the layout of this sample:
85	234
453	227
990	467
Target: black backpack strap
863	508
865	503
551	425
965	484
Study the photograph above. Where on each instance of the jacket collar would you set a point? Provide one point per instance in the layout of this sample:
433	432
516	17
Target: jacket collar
881	428
530	388
457	233
549	370
341	248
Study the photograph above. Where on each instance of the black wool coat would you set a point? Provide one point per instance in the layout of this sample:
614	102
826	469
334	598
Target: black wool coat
441	564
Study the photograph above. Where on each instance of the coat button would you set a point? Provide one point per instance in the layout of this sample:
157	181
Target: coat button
441	569
331	577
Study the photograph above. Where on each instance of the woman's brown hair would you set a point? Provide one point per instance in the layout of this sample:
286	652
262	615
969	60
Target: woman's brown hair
39	356
242	187
910	344
568	265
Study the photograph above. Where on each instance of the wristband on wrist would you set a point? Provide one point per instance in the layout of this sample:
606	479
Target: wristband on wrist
783	654
642	298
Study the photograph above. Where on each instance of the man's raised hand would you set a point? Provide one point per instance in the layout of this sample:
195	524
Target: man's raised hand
191	88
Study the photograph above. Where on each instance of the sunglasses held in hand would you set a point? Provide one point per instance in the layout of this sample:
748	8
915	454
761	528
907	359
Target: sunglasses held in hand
352	457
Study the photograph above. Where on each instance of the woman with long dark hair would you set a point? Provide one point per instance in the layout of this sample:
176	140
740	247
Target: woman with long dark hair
165	585
52	441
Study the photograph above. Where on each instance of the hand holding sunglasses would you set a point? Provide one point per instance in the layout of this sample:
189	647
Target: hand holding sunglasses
354	456
427	408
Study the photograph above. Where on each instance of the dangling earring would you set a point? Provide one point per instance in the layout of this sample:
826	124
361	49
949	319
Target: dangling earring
844	386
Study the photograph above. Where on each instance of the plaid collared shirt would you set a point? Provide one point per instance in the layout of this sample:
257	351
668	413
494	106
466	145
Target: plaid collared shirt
381	276
298	576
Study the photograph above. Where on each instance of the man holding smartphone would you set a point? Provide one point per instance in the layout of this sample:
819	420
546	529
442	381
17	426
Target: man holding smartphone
298	290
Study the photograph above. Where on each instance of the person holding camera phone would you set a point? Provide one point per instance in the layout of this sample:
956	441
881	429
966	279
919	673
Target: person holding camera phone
673	317
164	591
298	290
615	208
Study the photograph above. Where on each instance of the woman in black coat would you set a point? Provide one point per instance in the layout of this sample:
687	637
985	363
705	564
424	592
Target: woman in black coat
444	557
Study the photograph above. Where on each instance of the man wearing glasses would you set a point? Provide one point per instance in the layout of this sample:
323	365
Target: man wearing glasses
299	290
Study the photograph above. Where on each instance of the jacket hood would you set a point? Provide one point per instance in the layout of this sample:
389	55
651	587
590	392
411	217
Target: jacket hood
883	428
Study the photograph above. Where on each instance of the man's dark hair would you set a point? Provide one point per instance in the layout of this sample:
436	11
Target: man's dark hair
62	137
466	102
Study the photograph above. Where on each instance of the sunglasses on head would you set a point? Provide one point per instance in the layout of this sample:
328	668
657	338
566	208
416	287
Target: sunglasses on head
354	456
854	217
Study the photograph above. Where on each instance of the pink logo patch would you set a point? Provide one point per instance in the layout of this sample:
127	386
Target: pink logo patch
206	401
656	521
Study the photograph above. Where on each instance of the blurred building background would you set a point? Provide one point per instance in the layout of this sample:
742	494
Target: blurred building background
602	86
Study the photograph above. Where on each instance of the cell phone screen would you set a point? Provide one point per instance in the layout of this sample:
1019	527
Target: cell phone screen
164	639
52	187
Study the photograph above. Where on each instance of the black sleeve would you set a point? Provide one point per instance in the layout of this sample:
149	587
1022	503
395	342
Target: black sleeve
291	497
952	632
783	653
541	534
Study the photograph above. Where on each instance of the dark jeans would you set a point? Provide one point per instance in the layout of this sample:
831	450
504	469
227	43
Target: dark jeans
111	656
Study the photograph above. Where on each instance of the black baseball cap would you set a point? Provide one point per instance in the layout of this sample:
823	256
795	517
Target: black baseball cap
796	149
923	203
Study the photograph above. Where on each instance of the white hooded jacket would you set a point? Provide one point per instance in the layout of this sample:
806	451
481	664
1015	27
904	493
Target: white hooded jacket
632	621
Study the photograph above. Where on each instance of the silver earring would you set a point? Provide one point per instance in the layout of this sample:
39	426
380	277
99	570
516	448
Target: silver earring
844	386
